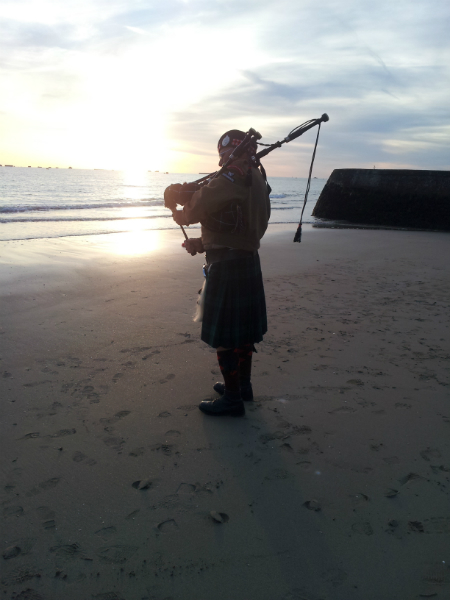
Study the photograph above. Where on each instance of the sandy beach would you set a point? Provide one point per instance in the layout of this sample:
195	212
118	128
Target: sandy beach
334	486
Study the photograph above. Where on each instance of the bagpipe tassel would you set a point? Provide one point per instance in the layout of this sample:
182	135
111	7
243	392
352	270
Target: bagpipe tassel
298	234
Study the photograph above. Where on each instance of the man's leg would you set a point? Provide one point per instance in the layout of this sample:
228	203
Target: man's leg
245	354
245	370
231	401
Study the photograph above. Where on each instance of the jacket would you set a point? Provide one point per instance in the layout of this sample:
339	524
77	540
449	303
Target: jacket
231	213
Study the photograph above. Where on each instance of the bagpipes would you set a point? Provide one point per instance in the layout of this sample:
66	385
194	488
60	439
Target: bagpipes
185	191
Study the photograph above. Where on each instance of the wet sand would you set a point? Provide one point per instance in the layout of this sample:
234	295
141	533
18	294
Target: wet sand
334	486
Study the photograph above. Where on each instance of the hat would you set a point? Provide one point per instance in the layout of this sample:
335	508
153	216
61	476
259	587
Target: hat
231	139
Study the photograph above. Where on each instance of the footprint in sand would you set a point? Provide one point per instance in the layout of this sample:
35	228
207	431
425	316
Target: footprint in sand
130	364
164	414
219	517
342	410
63	433
440	468
305	465
66	551
137	452
437	525
391	460
358	382
119	415
142	484
430	453
287	447
117	376
437	574
24	546
48	517
410	478
359	499
186	488
117	554
106	532
276	474
43	486
312	505
173	433
187	407
132	515
45	512
362	527
151	354
335	576
167	378
168	526
376	447
11	552
115	443
415	526
19	576
164	448
36	383
79	457
13	511
30	436
136	350
301	594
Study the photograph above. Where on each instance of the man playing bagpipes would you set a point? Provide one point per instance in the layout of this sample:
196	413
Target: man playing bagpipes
234	209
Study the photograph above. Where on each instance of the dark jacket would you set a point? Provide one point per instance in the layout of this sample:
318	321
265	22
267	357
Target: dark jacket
231	212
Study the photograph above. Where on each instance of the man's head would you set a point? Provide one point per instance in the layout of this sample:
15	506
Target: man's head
229	142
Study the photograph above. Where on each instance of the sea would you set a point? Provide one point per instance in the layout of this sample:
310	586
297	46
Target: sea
38	203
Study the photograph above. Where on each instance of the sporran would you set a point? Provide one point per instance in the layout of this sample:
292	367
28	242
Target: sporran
198	317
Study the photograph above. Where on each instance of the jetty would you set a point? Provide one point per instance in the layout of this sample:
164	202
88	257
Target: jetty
389	197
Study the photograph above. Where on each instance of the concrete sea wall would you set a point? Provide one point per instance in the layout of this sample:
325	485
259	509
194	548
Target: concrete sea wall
396	197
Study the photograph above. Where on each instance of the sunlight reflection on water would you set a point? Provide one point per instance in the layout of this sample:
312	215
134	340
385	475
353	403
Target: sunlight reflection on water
135	242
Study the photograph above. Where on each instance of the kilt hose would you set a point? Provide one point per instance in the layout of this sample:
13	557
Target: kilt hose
235	305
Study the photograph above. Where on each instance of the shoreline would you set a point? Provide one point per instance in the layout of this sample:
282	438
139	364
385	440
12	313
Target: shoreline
340	469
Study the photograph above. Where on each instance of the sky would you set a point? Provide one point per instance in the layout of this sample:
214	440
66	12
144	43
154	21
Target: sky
153	84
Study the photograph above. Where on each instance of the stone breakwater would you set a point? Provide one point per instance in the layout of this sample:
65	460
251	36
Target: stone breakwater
394	197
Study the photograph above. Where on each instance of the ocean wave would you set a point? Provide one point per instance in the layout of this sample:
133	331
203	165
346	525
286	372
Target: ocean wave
76	219
19	208
278	195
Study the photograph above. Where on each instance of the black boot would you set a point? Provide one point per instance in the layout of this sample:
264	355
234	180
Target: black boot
231	401
227	405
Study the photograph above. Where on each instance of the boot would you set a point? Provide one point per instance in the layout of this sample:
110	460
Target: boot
223	406
231	401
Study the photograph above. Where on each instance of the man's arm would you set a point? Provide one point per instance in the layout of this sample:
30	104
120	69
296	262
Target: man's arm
179	194
213	197
193	246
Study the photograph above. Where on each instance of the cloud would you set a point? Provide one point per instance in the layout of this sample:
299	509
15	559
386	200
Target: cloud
16	36
381	71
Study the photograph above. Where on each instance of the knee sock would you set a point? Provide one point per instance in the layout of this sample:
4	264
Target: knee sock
229	365
245	364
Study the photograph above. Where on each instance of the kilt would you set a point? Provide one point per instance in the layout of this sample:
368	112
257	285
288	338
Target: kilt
235	306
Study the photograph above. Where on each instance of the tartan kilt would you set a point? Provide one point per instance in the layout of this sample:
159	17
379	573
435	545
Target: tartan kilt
235	305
